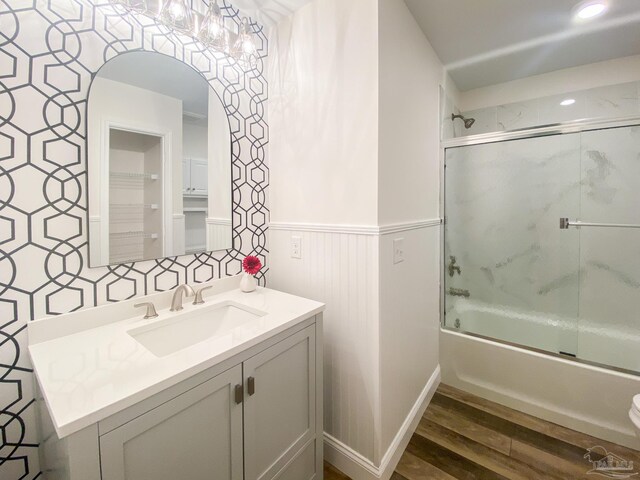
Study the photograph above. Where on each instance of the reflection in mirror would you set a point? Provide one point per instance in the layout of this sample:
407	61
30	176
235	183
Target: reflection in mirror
159	162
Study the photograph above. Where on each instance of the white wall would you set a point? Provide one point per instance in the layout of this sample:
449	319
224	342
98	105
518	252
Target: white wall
611	72
323	114
409	325
410	77
410	73
354	115
195	138
451	90
323	119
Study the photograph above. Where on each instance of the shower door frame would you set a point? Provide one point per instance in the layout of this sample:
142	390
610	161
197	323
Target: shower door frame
576	126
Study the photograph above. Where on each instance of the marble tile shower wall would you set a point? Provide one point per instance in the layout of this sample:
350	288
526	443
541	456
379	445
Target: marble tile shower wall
609	330
503	202
602	102
528	281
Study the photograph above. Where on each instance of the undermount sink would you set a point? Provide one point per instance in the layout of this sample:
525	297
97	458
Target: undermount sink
164	337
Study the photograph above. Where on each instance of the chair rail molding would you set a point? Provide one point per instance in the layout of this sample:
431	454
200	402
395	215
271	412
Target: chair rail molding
355	229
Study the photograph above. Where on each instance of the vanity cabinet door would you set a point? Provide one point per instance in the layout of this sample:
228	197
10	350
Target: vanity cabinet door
195	436
280	410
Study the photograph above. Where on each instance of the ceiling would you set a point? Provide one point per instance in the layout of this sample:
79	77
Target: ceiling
268	12
485	42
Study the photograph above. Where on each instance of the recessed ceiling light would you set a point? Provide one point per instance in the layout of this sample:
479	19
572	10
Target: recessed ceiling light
590	9
567	102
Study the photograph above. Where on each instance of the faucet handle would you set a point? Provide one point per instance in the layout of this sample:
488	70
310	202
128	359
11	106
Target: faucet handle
199	300
151	310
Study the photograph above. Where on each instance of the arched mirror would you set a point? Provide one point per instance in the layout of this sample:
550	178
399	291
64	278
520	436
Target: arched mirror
159	162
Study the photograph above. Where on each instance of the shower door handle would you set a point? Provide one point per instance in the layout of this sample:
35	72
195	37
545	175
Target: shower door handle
565	223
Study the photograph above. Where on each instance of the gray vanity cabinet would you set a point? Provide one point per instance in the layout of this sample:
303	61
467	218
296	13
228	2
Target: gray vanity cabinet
280	409
197	435
257	418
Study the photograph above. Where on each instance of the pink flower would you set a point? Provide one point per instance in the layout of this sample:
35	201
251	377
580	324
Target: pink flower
251	264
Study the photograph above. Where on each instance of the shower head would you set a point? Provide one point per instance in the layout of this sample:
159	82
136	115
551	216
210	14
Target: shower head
468	122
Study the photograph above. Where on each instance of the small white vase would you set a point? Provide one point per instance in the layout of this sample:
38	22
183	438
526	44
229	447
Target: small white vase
248	283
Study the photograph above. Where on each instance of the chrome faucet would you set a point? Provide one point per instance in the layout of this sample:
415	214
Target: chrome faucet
199	300
151	310
176	301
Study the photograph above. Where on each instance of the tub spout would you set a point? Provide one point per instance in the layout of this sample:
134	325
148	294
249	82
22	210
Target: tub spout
459	292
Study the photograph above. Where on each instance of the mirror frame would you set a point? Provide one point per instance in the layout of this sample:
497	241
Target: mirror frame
232	203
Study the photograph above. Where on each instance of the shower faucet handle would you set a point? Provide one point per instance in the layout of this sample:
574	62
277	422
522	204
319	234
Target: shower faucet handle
453	268
151	310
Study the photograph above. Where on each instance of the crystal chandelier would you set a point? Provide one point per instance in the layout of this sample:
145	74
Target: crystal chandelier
244	49
177	14
212	32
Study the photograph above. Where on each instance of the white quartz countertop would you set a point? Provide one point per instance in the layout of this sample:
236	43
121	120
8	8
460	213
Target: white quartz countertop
89	375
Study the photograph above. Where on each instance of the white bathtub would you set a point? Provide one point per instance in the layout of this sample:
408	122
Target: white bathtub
614	345
583	397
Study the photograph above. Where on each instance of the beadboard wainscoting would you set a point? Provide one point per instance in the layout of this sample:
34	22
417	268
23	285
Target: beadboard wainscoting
339	268
381	331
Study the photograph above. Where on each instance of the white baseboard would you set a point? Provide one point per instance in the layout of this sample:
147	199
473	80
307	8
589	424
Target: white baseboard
358	467
348	461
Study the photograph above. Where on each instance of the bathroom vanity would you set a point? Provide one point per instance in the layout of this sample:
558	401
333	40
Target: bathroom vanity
229	389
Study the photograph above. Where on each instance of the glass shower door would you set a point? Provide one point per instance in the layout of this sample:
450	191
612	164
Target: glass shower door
510	272
609	325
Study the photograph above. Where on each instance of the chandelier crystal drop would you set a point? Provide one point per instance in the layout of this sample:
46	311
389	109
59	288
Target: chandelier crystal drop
212	32
177	14
244	49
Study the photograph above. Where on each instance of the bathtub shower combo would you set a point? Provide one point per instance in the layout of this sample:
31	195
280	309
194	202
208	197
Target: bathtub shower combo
540	270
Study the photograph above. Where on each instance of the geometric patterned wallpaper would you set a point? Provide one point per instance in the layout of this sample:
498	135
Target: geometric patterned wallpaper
49	52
